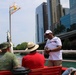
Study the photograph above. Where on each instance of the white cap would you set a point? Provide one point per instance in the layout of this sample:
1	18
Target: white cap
48	31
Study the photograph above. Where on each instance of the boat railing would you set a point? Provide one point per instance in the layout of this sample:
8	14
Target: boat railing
42	52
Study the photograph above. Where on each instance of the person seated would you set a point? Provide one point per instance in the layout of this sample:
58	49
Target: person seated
33	59
70	71
8	60
73	73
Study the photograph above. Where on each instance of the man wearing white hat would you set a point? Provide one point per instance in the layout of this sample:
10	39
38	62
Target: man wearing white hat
53	48
34	59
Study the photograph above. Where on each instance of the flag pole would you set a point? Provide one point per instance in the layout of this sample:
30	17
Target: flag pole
10	41
10	23
12	9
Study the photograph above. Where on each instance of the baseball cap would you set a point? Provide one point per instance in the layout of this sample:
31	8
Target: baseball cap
48	31
4	45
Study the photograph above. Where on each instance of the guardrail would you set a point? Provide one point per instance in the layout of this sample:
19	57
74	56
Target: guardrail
42	52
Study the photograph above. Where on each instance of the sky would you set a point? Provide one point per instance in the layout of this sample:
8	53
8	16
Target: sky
23	21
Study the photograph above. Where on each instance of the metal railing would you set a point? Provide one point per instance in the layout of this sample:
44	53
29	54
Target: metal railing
42	52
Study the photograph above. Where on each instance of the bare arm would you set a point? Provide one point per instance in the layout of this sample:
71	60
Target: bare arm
58	48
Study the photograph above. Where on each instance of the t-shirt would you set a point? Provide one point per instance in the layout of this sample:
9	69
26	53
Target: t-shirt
33	60
51	44
8	61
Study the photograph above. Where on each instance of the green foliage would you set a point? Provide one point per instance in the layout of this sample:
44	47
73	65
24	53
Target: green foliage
68	29
21	46
72	27
59	29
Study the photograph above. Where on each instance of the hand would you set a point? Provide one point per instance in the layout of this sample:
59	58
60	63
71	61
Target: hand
47	51
17	66
46	48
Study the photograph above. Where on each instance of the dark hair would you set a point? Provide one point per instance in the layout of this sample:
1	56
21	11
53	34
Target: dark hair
33	51
72	73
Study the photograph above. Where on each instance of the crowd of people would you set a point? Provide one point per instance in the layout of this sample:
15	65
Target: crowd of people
33	59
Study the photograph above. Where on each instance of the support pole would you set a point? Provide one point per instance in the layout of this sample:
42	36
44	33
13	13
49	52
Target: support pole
10	24
10	31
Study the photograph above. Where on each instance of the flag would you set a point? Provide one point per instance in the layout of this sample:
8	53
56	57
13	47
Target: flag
14	8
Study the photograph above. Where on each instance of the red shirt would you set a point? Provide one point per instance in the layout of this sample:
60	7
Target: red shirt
33	60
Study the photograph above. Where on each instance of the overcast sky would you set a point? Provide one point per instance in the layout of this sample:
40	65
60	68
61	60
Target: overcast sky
22	21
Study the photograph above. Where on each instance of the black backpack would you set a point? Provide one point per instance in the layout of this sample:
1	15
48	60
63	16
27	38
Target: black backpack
21	71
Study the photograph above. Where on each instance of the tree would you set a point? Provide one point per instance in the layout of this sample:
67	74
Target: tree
59	29
21	46
73	26
68	29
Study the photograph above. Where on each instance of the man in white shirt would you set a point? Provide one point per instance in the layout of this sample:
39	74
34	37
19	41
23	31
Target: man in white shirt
53	47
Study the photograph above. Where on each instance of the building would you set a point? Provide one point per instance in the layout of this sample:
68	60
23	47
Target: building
73	11
41	22
55	12
66	11
65	20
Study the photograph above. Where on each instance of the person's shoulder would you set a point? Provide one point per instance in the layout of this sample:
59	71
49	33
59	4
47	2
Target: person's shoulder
48	40
10	54
56	37
39	54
